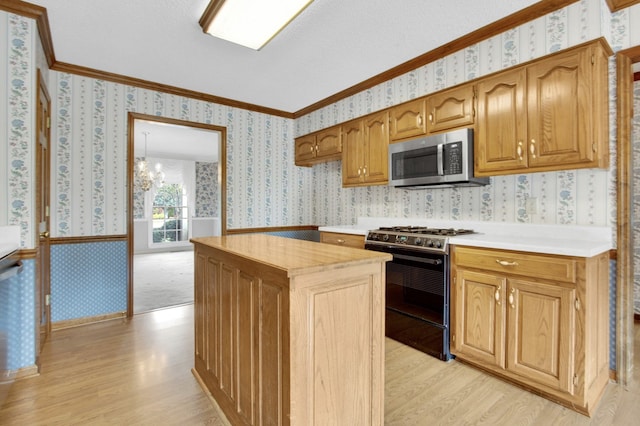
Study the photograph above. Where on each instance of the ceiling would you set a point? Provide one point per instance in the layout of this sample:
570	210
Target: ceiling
331	46
175	142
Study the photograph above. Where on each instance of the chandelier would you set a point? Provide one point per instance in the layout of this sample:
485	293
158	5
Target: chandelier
146	178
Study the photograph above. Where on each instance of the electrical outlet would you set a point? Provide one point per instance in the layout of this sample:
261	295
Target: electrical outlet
532	205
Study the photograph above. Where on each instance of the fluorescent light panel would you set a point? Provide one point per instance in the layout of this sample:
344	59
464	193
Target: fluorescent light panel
252	23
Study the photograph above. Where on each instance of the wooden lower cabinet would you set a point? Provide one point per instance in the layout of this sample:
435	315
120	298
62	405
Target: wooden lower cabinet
339	239
546	330
298	350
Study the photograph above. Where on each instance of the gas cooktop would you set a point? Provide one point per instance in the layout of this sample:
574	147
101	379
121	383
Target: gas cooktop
423	230
420	238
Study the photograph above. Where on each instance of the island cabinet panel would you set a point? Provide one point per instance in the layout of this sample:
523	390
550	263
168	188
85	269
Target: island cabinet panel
538	320
290	332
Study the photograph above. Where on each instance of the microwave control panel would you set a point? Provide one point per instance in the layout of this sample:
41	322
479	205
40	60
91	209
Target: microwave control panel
453	158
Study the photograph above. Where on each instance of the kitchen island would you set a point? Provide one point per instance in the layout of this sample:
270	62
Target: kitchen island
290	331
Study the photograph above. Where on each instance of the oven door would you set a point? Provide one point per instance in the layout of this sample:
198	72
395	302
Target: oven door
417	299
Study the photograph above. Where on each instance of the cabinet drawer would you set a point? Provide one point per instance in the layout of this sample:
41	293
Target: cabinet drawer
556	268
347	240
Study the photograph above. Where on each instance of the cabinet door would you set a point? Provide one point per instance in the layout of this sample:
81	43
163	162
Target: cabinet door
479	330
450	109
352	157
305	149
376	146
501	133
328	142
408	120
559	105
541	333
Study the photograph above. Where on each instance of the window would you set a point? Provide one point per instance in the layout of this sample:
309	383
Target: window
170	214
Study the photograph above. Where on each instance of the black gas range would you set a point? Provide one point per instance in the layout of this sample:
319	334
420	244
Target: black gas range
417	285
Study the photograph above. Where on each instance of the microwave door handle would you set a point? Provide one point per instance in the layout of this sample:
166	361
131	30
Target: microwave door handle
440	159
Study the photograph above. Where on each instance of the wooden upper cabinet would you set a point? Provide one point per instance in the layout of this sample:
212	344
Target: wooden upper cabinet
501	130
365	156
305	149
408	120
559	110
352	156
318	147
328	142
376	152
551	114
450	108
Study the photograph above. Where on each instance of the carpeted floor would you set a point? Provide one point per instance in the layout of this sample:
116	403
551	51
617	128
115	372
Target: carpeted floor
161	280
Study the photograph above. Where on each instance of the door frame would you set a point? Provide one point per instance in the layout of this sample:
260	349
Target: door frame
43	196
624	187
222	171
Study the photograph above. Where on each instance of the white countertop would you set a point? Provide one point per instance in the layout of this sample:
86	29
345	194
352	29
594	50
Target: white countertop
568	240
9	240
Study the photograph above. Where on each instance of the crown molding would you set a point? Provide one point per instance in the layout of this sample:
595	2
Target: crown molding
534	11
616	5
173	90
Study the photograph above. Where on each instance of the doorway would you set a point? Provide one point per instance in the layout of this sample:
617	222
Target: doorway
625	61
176	187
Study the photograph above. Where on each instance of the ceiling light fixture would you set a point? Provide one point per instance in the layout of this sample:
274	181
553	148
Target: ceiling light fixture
250	23
146	178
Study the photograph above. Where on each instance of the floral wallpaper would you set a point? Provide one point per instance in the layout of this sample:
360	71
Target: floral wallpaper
17	112
207	190
585	197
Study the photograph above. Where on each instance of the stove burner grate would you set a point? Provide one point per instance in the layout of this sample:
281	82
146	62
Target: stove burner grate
446	232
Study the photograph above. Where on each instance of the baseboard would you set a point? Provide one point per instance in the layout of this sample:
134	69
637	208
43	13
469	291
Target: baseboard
60	325
7	376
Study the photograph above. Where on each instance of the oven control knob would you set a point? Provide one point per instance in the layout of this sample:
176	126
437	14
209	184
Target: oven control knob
385	237
429	243
438	243
418	241
373	237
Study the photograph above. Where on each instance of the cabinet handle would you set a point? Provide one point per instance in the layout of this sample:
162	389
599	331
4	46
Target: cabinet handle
311	149
364	171
316	148
532	148
497	295
432	115
340	241
511	302
519	150
506	263
359	171
577	304
419	120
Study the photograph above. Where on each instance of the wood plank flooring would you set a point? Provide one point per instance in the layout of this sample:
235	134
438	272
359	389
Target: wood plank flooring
138	372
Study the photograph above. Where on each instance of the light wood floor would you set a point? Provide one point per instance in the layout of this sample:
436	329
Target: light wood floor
138	372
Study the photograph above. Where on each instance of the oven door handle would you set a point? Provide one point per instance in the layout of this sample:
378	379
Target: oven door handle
440	159
418	259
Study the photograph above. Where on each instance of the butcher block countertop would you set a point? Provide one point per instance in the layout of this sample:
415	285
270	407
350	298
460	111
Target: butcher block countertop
292	256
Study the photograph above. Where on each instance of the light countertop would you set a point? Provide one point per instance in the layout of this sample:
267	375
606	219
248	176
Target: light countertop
567	240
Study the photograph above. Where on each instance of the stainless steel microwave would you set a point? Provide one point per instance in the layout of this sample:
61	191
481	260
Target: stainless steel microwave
444	160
